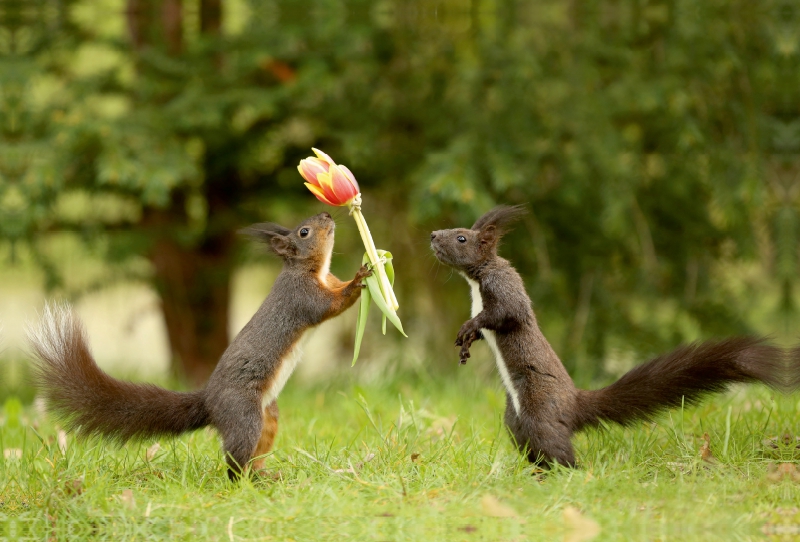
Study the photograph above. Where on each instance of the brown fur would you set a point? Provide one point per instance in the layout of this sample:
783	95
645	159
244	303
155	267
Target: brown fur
543	407
268	433
73	385
84	397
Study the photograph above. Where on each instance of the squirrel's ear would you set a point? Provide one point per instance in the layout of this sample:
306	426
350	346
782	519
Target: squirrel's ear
264	231
274	235
488	235
501	217
281	246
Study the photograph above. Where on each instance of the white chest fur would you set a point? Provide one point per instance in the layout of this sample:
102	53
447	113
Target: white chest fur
491	340
325	269
287	366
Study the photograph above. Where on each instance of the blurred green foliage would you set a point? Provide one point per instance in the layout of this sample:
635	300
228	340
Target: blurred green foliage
655	141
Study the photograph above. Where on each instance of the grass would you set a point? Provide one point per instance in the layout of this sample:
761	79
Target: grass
414	458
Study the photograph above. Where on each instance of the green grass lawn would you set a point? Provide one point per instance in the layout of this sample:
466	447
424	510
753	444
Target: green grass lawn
413	458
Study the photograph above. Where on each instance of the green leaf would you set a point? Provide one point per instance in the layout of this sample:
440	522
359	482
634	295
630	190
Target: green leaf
389	266
390	275
361	324
375	290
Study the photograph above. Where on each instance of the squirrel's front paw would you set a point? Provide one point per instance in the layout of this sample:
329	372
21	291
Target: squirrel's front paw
362	273
468	333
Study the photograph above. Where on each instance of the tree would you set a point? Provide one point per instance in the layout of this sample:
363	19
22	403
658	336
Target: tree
640	133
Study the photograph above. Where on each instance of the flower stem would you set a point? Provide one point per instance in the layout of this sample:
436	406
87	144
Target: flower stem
372	252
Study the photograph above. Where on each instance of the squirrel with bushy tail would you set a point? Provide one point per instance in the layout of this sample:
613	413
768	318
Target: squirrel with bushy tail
543	406
240	397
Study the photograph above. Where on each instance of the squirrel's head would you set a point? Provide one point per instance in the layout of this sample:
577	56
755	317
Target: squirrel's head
463	248
310	243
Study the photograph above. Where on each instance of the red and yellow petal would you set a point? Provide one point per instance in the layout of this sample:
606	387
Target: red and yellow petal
324	157
319	194
330	183
326	185
350	177
310	168
343	187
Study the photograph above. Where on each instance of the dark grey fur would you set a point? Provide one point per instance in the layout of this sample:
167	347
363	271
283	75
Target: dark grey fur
84	396
551	407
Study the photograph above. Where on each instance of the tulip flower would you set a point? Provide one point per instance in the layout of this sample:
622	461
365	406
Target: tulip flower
334	184
330	183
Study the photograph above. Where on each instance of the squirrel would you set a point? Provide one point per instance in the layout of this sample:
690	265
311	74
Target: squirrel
543	406
240	397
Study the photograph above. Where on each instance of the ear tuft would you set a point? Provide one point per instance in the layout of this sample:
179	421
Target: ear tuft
274	235
264	231
501	218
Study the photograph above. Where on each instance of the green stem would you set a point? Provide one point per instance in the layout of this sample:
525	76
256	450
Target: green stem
372	252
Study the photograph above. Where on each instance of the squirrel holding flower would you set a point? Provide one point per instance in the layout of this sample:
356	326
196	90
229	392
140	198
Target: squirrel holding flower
240	397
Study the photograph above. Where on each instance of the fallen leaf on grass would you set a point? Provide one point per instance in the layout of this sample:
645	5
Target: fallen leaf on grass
579	527
705	450
492	507
152	451
414	456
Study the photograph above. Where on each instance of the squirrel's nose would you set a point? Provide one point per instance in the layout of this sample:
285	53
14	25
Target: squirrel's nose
433	235
326	215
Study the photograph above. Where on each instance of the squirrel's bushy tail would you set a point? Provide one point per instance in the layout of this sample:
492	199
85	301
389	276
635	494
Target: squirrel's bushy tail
684	375
793	368
82	395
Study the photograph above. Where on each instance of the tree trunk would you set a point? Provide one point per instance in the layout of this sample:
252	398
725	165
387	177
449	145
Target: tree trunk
210	17
192	278
193	284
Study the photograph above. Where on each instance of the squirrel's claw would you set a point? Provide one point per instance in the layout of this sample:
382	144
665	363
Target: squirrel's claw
362	273
466	336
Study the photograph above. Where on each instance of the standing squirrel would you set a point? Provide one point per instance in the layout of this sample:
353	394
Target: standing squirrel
543	406
240	397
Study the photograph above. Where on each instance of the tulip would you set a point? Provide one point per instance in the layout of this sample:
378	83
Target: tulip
330	183
334	184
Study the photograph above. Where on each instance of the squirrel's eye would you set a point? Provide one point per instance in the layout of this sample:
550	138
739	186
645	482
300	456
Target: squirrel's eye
461	239
304	232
